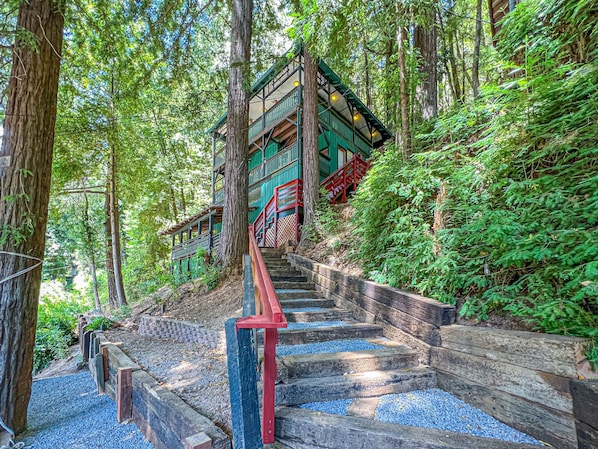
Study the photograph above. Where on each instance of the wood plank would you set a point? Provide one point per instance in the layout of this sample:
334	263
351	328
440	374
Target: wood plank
425	309
124	395
99	372
542	388
105	363
585	401
587	436
555	354
537	420
86	341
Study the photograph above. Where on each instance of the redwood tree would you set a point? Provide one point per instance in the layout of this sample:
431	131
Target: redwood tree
26	155
234	241
311	156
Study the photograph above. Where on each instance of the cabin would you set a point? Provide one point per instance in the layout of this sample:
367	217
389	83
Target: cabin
348	133
497	10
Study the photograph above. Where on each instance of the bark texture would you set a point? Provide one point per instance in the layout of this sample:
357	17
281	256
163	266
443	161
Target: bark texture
404	136
112	293
234	237
24	195
115	231
311	156
425	40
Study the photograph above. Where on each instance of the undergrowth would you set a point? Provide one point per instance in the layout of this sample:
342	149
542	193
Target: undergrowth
498	205
56	323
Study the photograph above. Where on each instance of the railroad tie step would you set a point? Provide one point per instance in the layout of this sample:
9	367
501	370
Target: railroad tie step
296	293
328	333
312	313
308	429
294	285
289	305
363	384
283	277
336	364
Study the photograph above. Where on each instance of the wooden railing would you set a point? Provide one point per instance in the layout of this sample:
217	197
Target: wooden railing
270	317
286	197
349	175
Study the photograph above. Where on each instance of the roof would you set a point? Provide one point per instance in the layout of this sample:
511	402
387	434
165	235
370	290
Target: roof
332	78
181	224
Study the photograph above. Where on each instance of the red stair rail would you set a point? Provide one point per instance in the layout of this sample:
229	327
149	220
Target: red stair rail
350	174
286	197
270	317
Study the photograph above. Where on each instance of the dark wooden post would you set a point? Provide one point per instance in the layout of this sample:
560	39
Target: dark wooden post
124	395
105	357
99	372
243	387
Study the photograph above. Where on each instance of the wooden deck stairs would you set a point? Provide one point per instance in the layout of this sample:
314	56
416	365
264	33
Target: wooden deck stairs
325	355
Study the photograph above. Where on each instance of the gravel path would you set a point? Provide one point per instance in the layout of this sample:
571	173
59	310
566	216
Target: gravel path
196	373
67	412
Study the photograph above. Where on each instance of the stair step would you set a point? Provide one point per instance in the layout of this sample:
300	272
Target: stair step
364	384
339	363
312	313
289	304
288	277
320	334
284	272
296	293
307	429
294	285
278	265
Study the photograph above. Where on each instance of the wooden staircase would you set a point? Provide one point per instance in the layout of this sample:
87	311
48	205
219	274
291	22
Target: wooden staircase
325	355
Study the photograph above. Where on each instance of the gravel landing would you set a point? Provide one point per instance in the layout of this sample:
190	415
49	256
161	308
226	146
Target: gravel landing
67	412
195	373
433	409
327	347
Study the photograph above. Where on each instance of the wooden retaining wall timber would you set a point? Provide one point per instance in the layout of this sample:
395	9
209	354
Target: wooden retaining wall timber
527	380
165	420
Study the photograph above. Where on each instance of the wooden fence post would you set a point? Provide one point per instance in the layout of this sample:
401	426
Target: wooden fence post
105	359
243	387
99	372
124	395
86	340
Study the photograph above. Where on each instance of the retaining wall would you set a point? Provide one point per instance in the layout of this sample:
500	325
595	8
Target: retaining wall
177	330
165	420
524	379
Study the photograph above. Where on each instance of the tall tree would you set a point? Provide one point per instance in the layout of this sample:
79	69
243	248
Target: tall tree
311	156
27	148
234	237
424	40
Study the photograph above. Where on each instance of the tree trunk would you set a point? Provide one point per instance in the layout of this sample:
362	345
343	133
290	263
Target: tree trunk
24	194
368	81
112	293
91	253
404	136
115	231
234	239
311	156
424	40
475	70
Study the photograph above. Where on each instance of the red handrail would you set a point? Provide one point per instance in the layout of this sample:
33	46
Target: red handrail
349	174
270	317
286	197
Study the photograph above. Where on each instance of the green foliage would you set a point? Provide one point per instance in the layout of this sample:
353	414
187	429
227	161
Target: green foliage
100	323
326	223
56	322
519	219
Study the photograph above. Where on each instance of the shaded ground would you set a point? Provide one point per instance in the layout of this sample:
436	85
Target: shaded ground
67	412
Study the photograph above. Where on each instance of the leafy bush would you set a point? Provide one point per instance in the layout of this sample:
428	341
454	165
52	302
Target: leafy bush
100	323
516	227
56	322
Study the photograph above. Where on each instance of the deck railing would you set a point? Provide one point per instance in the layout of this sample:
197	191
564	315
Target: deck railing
349	175
286	198
270	317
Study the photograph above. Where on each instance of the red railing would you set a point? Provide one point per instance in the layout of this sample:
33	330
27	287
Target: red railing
270	317
349	175
286	197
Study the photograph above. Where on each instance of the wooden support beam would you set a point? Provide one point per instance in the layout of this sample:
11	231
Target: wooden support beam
124	395
86	341
105	362
99	372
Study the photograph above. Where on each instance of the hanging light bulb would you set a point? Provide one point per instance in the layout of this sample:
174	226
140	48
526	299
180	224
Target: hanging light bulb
334	97
296	83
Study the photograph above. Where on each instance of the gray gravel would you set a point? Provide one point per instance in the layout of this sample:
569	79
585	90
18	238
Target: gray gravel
327	347
67	412
433	409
